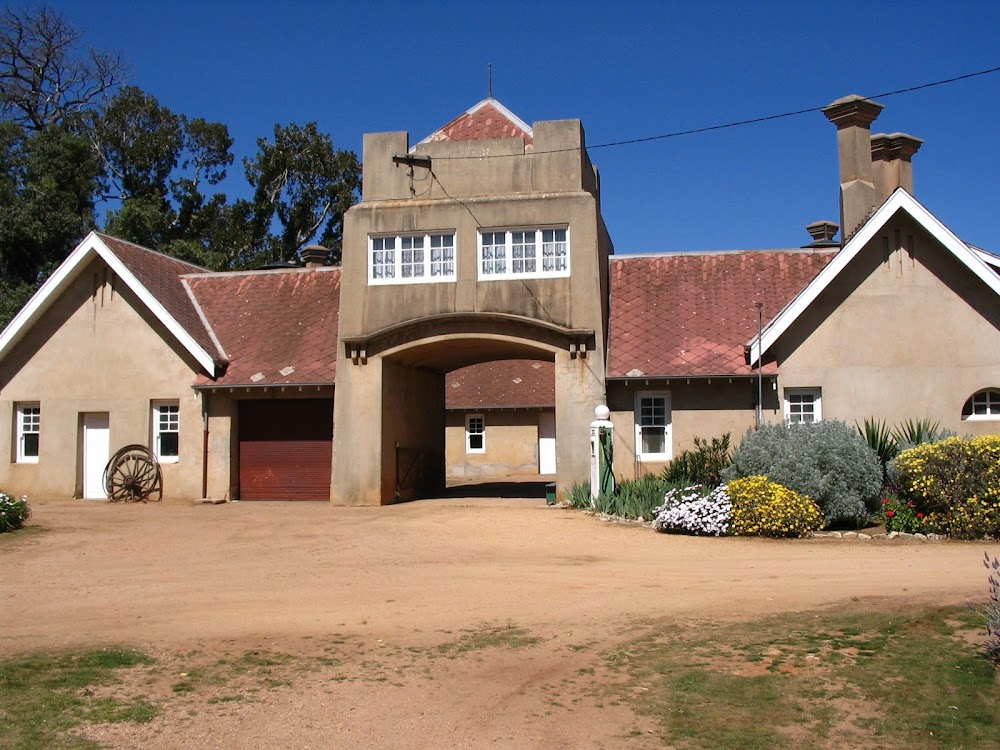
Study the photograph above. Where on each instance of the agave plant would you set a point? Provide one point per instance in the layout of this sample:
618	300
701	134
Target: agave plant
917	431
882	440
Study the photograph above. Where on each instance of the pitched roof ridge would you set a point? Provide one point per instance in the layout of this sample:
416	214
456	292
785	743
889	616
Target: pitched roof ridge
259	272
137	246
204	320
701	253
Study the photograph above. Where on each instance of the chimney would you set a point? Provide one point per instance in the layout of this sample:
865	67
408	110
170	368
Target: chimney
891	163
822	233
314	256
853	116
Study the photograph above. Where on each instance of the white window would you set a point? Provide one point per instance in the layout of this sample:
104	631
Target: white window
475	433
523	253
803	405
983	405
652	427
28	429
409	259
166	431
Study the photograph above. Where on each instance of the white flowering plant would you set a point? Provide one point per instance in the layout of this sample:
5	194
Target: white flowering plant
13	512
691	511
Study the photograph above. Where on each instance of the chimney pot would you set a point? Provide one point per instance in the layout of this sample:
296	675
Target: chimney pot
314	256
822	233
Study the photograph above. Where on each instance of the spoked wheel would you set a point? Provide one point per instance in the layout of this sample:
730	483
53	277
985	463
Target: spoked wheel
133	475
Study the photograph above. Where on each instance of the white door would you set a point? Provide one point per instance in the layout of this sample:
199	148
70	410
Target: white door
546	442
96	452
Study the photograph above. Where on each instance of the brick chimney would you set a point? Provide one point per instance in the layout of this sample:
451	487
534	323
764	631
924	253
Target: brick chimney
313	256
853	116
891	163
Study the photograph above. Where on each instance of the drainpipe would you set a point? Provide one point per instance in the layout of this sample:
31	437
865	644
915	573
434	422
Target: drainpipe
760	364
204	444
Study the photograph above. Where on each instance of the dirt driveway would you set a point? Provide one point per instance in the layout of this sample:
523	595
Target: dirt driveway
389	583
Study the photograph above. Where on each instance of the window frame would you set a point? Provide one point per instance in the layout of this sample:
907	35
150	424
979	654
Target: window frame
469	434
521	251
668	448
21	411
427	263
158	410
992	399
817	404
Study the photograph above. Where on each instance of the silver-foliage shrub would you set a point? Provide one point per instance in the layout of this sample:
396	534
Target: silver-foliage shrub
828	462
13	512
690	511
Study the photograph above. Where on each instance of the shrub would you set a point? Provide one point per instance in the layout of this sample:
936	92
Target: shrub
690	511
882	440
639	498
993	608
972	519
903	517
940	477
578	495
13	512
761	507
828	462
703	465
919	431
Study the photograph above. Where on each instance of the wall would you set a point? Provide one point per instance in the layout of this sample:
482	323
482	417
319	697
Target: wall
902	334
97	349
511	444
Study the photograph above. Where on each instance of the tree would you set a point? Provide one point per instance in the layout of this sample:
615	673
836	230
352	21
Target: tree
47	190
47	76
156	164
305	185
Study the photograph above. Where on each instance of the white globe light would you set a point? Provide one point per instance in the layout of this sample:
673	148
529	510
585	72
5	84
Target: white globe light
602	412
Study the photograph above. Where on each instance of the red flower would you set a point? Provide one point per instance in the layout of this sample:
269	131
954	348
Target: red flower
886	501
909	505
920	515
890	513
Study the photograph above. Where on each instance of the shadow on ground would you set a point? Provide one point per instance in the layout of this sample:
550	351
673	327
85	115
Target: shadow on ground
504	489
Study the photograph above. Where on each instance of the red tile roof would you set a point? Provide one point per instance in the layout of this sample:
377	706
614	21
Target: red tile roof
510	383
277	327
692	314
488	119
161	276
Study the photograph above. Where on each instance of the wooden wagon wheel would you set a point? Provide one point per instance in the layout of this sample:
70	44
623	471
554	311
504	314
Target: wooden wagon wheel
133	475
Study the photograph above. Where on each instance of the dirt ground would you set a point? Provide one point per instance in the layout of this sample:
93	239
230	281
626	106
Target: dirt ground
371	606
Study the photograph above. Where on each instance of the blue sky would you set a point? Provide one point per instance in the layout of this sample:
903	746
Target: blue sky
627	70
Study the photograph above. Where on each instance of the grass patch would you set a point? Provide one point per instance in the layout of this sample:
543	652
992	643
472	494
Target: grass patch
898	679
44	696
489	636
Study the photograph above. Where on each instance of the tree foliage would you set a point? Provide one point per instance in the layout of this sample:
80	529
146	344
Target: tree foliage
47	75
304	184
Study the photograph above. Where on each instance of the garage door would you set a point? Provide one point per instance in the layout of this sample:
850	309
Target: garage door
286	449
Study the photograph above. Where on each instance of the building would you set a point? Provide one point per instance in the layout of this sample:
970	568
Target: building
479	317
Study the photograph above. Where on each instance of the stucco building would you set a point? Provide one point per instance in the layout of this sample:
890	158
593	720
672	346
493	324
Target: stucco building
479	317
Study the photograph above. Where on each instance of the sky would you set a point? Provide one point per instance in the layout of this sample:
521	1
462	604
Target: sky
627	70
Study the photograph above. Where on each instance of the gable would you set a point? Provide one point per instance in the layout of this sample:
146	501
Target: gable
871	239
486	120
153	278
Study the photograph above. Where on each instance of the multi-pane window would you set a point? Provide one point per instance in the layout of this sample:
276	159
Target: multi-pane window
475	433
523	253
652	426
803	405
406	259
166	430
29	424
983	405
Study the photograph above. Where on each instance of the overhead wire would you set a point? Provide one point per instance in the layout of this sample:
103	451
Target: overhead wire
737	123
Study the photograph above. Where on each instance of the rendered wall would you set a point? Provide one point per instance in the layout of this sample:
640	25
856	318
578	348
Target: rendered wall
97	349
511	445
903	334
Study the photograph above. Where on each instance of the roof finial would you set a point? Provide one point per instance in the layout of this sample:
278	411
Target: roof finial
489	67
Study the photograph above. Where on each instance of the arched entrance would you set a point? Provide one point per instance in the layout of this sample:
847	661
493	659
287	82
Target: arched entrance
390	401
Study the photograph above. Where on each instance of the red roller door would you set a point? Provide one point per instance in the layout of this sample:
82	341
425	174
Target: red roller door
286	449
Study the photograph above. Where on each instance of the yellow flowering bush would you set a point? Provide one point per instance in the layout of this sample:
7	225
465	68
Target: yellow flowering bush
765	508
956	482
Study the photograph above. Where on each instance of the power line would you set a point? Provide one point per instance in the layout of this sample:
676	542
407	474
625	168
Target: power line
738	123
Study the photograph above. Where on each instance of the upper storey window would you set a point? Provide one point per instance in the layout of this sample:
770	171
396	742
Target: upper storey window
524	253
411	259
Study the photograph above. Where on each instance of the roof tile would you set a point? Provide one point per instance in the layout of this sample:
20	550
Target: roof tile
514	383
